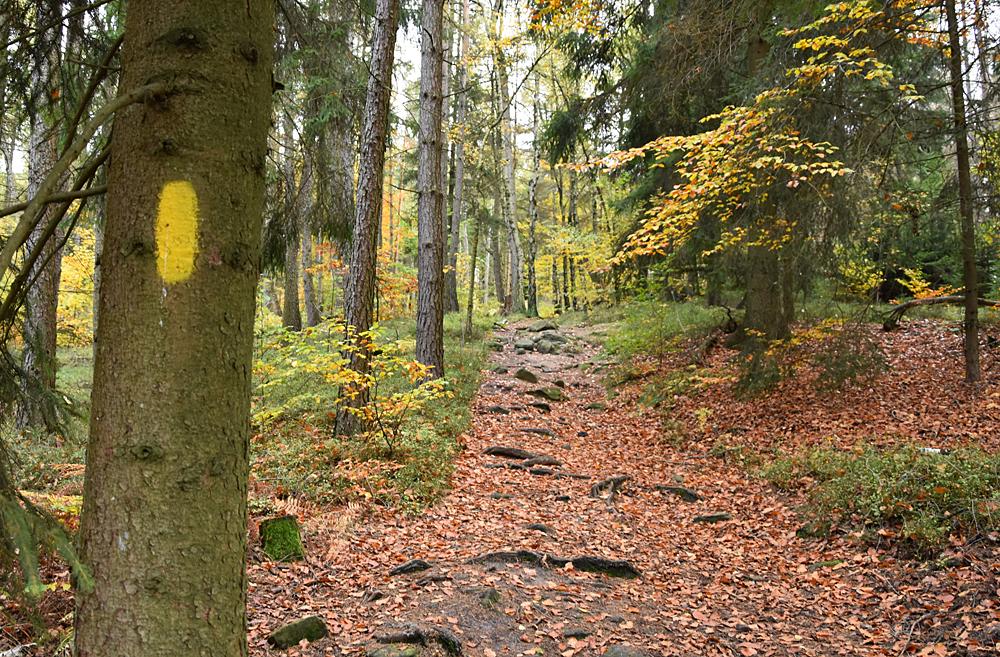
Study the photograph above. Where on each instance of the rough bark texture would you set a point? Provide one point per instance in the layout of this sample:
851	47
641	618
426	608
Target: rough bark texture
37	407
430	224
966	209
458	192
291	314
164	519
305	213
765	317
359	300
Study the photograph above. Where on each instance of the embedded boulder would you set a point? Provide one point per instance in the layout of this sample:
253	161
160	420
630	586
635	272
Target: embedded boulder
311	628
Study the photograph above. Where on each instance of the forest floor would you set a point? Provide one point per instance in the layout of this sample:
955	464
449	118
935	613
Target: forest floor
719	566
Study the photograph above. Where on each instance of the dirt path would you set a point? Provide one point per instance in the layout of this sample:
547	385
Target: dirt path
744	585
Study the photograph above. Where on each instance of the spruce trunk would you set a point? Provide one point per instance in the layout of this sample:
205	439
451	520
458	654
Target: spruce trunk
165	516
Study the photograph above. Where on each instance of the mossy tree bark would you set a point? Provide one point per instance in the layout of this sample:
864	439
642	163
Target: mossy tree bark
164	520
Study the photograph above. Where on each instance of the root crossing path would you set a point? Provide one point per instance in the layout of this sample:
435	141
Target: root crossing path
576	527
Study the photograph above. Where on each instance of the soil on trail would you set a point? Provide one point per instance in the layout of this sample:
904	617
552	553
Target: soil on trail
720	568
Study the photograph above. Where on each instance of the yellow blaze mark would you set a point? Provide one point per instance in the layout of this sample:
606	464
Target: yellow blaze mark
176	231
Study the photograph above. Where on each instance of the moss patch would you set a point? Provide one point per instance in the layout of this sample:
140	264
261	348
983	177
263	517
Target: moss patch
281	540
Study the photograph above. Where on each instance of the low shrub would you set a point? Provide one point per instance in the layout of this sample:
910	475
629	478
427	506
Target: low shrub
922	497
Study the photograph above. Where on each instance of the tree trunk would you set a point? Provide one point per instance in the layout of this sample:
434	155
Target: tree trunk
497	257
458	197
164	521
291	315
305	215
430	224
508	181
533	205
966	209
765	317
359	300
471	300
37	408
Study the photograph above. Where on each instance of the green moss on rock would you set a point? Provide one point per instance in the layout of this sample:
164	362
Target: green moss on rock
281	540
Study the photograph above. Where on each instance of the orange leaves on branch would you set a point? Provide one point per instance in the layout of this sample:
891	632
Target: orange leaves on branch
733	172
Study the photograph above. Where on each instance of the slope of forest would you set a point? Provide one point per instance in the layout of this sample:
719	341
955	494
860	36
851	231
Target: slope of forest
743	582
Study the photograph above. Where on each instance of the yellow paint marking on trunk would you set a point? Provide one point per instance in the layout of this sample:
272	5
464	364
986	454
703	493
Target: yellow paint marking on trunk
176	231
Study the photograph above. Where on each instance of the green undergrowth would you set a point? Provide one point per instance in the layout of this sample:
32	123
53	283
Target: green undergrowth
297	452
657	328
922	498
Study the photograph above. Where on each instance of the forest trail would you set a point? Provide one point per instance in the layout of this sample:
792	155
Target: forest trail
723	574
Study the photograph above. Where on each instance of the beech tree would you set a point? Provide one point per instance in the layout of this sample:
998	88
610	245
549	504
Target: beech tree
164	520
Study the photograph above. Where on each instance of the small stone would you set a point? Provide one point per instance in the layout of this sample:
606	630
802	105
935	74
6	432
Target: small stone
525	343
551	394
411	566
498	410
576	633
562	498
552	336
546	347
624	651
526	375
311	628
713	518
685	494
582	434
543	325
542	406
596	406
395	650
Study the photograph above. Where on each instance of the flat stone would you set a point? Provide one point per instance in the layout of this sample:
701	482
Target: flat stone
596	406
685	494
546	347
624	651
526	375
311	628
552	394
576	633
712	518
525	343
395	650
542	406
543	325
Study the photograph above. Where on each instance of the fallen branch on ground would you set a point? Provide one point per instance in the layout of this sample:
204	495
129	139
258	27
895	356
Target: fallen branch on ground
892	319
